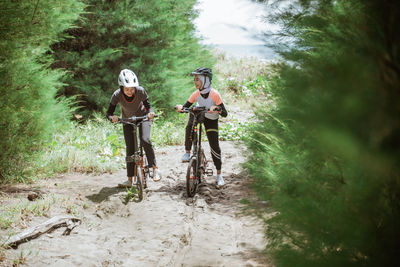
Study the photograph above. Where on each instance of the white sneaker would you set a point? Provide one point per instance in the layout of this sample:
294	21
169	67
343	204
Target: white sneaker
220	180
186	157
156	175
125	184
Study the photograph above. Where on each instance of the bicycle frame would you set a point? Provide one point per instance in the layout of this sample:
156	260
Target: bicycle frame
198	156
197	130
141	170
138	156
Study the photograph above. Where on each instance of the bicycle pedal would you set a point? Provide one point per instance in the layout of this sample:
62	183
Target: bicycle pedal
209	172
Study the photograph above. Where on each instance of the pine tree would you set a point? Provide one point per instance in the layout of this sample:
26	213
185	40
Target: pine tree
153	38
29	111
328	156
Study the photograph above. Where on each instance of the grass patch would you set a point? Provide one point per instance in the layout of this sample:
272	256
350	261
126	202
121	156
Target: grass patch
98	146
94	147
17	214
243	82
232	130
244	68
169	131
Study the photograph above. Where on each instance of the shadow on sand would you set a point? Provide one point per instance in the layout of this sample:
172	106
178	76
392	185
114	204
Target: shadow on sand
104	194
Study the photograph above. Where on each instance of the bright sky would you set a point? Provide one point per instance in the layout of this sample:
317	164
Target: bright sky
220	21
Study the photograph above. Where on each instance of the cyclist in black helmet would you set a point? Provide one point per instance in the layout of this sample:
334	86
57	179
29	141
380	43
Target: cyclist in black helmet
207	97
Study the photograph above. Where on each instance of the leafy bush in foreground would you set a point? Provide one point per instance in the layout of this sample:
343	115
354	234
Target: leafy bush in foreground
328	156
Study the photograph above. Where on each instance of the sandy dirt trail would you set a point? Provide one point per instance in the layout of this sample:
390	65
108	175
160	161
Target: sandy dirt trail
165	229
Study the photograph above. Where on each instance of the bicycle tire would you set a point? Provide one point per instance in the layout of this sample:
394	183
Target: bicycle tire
139	184
145	172
191	178
203	165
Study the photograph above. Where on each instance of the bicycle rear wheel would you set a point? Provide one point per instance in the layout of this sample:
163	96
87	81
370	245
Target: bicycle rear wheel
191	178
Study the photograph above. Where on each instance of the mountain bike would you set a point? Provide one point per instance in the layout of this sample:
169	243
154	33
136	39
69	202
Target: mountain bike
141	168
198	162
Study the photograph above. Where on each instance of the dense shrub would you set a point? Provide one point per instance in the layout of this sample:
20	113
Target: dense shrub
29	110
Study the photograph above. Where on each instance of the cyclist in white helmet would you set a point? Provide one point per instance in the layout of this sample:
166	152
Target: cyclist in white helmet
134	102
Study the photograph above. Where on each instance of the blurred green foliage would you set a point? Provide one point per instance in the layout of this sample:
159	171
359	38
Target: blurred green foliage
327	154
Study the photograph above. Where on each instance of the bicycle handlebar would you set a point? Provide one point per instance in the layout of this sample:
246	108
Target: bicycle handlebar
198	109
135	119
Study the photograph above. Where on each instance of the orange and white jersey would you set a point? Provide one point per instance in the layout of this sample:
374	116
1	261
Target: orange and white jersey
213	99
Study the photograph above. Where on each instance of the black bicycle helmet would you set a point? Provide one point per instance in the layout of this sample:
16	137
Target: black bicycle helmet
203	71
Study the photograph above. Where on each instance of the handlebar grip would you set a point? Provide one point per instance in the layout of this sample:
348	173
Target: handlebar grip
181	111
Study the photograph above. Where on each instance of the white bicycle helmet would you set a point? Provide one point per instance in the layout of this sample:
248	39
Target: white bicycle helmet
127	78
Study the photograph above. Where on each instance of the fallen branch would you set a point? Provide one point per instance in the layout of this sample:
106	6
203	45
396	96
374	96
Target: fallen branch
46	227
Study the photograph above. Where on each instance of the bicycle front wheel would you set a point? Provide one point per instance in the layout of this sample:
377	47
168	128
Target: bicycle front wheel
191	178
140	182
203	165
145	172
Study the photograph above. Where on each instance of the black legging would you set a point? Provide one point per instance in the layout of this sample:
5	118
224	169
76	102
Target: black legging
212	136
145	131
